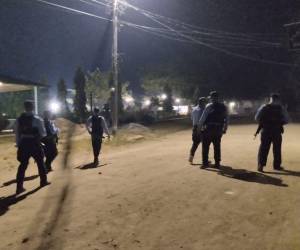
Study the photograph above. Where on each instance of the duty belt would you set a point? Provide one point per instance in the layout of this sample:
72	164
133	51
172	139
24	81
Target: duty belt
214	124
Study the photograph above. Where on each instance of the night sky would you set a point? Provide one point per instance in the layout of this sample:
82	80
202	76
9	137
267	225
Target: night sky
38	41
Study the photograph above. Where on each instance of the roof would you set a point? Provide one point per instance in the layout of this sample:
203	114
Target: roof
11	84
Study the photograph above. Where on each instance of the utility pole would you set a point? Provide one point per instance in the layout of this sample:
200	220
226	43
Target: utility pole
115	101
91	101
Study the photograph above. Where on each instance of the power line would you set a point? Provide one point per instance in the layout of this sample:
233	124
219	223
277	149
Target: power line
179	33
73	10
227	52
221	42
189	26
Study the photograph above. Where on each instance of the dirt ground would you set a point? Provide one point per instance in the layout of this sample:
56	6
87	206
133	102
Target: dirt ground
146	196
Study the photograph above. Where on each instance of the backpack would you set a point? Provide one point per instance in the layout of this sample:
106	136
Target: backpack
97	128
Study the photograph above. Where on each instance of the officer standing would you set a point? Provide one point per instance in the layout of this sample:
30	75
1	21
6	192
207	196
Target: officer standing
214	123
197	135
96	125
51	140
29	130
271	118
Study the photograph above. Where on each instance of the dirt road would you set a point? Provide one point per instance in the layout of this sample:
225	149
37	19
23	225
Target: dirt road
146	196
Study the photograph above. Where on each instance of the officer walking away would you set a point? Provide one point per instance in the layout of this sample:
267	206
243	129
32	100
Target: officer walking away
214	123
51	140
96	125
106	113
197	134
271	118
29	130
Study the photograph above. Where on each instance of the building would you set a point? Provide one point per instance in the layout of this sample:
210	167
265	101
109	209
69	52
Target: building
11	84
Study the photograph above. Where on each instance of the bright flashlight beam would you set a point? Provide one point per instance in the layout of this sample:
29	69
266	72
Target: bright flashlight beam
54	106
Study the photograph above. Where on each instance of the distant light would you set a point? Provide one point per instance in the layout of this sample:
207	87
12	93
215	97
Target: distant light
70	100
54	107
232	105
177	100
160	109
164	96
128	99
1	83
112	89
181	109
147	102
3	114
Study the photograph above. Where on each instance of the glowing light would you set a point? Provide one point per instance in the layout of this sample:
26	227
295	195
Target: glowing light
112	89
54	107
232	105
177	100
147	102
1	83
160	109
128	99
164	96
181	109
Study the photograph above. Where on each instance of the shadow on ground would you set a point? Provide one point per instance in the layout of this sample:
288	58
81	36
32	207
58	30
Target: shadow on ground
8	183
285	172
90	166
249	176
6	202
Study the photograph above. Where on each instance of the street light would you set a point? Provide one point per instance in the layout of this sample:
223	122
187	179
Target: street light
147	103
232	105
164	96
128	99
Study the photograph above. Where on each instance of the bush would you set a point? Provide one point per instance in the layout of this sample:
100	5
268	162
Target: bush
142	117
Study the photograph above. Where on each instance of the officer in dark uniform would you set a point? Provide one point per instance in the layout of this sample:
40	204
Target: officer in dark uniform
213	122
96	126
197	135
29	131
106	113
271	118
50	141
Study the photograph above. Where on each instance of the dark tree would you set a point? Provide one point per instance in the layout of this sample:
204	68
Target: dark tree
168	102
80	96
62	96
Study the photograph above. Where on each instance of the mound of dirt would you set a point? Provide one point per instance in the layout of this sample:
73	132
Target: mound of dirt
65	125
135	128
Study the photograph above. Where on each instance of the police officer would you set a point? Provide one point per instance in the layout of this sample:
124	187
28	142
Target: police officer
106	113
271	118
29	131
197	135
50	141
96	125
214	123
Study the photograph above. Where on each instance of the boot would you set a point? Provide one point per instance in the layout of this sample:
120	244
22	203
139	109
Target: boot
191	158
20	190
